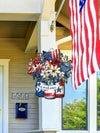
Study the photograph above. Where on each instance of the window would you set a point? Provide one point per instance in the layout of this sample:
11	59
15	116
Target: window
86	119
74	110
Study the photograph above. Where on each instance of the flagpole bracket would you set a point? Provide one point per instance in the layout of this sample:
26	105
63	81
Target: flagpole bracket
52	26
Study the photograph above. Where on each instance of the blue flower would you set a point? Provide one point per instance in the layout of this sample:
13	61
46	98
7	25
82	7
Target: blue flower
37	75
47	55
34	75
50	77
64	68
66	75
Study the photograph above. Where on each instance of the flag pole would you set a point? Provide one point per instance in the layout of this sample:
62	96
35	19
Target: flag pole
53	21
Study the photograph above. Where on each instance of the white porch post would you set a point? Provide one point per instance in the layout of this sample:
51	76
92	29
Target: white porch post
4	111
92	103
48	113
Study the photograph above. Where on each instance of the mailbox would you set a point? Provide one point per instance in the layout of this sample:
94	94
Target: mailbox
21	110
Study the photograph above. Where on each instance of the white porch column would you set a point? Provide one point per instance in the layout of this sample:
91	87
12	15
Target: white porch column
48	109
92	103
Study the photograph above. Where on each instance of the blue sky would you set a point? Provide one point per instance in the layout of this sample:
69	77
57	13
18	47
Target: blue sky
70	95
98	74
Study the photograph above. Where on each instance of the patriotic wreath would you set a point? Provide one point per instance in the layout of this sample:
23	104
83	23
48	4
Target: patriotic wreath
50	67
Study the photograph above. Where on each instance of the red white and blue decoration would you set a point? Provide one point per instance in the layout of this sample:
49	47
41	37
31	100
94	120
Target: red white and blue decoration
84	27
50	70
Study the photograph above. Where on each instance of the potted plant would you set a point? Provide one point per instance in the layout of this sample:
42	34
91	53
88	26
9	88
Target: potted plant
51	70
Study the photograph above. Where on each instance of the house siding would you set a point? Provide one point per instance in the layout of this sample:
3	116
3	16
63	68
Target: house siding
20	82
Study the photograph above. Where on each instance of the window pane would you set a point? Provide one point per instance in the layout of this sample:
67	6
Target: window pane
98	101
74	114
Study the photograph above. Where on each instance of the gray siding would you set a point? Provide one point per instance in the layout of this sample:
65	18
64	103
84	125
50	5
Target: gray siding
20	82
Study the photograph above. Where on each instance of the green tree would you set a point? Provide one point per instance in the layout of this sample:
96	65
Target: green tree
74	115
98	103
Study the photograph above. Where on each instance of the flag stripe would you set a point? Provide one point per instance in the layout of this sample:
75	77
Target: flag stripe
82	48
89	51
87	38
95	64
80	51
71	30
72	23
92	28
75	43
77	50
77	18
55	53
84	63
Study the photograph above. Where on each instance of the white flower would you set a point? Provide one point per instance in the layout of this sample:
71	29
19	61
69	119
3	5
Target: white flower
30	63
44	74
54	70
46	66
61	74
34	68
65	58
38	65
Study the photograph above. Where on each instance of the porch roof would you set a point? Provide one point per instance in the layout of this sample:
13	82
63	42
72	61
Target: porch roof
24	26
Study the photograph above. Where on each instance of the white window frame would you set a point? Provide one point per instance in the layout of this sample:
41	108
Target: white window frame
5	64
91	106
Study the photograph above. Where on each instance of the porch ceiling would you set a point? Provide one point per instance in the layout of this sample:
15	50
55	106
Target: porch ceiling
14	29
17	30
63	19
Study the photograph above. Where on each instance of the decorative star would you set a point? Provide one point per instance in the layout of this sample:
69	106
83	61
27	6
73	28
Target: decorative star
58	90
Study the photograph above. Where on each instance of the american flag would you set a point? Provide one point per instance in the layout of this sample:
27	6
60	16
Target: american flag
55	53
50	55
84	27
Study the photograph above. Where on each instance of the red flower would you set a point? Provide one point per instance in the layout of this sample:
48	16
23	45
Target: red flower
38	69
31	59
30	72
56	62
36	61
29	68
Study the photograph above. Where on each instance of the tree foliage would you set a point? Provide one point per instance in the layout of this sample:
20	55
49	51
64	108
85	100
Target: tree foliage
74	115
98	103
